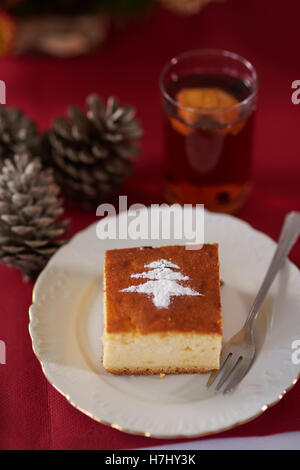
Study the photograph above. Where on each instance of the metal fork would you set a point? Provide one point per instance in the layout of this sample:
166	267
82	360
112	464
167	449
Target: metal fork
238	353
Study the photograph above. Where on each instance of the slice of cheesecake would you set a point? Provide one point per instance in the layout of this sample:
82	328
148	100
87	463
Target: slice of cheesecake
162	310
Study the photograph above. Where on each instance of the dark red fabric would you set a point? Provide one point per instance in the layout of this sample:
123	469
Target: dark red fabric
32	414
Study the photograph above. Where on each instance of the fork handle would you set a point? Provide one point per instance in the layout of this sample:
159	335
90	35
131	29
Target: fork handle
288	237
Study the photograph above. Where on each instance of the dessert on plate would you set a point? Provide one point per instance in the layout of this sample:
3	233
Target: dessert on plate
162	310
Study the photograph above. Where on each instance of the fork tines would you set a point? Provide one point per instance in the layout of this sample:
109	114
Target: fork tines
230	368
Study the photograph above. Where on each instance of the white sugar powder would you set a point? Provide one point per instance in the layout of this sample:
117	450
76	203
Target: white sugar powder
163	284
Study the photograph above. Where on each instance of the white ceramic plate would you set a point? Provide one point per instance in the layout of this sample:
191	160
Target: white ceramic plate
66	327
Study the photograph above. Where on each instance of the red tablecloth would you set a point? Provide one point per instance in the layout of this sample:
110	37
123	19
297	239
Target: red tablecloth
32	414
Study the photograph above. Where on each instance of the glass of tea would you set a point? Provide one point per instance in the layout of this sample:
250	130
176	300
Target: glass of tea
209	99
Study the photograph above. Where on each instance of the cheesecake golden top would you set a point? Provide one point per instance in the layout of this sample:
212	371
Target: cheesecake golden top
165	289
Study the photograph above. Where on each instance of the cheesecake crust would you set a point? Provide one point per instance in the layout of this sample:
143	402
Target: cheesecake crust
135	313
162	370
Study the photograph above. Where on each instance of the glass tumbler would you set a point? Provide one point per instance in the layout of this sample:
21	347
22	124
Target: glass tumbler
209	98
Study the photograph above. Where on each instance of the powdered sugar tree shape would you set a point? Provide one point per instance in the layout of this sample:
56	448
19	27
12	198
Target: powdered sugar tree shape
163	283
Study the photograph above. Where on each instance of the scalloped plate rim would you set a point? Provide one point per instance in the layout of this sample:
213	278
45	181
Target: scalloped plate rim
68	396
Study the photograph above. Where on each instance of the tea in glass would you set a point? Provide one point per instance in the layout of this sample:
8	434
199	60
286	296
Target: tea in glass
209	98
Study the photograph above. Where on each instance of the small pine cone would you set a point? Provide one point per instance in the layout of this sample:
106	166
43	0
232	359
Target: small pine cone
29	208
92	152
18	134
